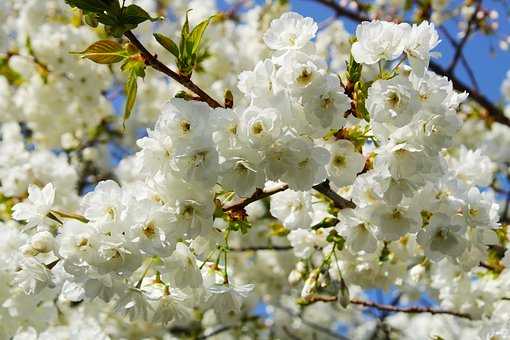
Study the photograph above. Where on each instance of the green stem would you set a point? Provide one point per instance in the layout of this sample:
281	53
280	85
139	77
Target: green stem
225	274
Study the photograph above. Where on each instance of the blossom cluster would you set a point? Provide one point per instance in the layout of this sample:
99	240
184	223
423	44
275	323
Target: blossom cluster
167	242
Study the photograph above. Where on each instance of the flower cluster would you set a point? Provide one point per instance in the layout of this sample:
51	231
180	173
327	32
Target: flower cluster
343	164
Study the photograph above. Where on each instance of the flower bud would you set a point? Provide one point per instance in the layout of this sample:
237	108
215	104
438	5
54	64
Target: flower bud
343	297
43	242
28	250
310	283
294	277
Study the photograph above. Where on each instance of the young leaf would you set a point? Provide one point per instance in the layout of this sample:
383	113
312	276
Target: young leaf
184	34
167	43
196	35
130	88
91	5
135	15
104	52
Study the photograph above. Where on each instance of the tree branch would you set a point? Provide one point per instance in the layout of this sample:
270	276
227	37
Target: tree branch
462	43
338	201
389	308
463	60
495	113
312	325
258	248
257	195
153	61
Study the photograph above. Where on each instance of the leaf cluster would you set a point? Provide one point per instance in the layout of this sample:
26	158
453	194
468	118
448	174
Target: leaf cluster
116	18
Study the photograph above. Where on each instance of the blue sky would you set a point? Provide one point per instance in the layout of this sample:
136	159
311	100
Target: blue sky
489	67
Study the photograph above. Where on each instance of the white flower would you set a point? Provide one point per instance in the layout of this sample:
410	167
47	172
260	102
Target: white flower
197	164
442	237
305	241
184	122
478	209
182	268
242	174
293	208
378	40
134	304
308	164
473	167
291	31
390	223
392	101
36	208
356	231
172	307
325	103
261	127
33	276
42	242
105	203
344	163
259	82
226	299
419	40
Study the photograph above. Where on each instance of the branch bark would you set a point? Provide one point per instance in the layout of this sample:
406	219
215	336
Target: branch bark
338	201
258	248
462	43
259	194
389	308
153	61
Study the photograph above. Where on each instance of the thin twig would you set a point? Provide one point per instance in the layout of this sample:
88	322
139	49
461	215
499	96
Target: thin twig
259	248
257	195
338	200
462	43
226	328
463	60
389	308
153	61
310	324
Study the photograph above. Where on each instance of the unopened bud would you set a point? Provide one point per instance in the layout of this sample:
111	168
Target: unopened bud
43	242
344	297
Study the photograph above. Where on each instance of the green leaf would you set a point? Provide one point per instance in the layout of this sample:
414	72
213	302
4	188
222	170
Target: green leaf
92	5
104	52
184	34
167	43
91	19
134	66
135	15
13	77
196	35
130	88
107	19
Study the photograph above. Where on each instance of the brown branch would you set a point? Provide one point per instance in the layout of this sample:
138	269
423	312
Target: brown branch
495	113
258	248
463	59
321	329
226	328
462	43
389	308
343	11
257	195
338	201
153	61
